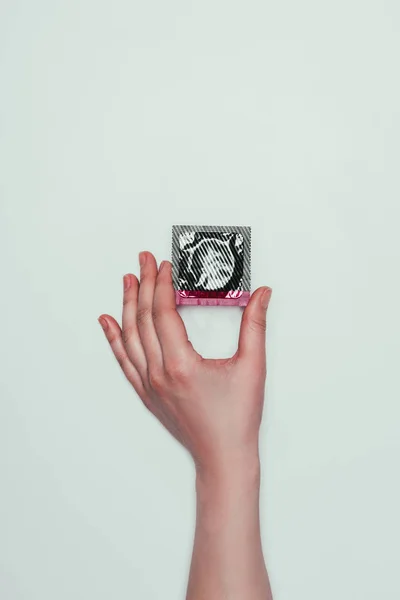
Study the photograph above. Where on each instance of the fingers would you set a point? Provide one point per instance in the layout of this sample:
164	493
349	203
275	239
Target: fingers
130	332
147	332
253	326
153	339
114	336
169	326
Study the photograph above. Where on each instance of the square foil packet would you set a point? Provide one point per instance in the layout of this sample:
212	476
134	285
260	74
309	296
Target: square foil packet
211	265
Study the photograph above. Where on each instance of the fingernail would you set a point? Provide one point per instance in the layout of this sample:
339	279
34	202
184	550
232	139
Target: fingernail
162	265
103	322
265	298
142	259
127	282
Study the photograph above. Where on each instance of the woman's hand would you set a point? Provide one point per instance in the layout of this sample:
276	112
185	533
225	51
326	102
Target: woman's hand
213	407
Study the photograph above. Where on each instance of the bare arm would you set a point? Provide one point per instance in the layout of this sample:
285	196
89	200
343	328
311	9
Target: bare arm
227	557
214	408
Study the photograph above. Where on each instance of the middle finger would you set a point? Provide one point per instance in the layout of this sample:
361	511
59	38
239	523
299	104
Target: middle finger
147	332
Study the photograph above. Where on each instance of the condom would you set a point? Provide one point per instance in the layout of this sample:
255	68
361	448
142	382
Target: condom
211	265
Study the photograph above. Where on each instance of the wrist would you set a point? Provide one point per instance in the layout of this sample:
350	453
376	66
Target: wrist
237	473
228	497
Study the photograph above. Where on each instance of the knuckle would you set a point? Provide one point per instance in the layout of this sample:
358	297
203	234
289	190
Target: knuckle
147	276
156	380
128	333
129	296
155	313
160	313
121	361
257	324
143	315
112	338
177	371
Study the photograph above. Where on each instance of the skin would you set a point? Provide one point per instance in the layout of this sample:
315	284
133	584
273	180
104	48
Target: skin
213	407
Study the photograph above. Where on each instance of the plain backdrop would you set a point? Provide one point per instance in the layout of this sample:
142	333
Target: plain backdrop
119	119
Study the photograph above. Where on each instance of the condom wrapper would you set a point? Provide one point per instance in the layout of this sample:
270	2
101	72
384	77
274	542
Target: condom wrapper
211	265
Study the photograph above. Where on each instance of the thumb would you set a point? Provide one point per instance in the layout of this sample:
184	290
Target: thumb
254	324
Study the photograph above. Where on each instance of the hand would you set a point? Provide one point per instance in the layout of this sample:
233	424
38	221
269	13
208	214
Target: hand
212	406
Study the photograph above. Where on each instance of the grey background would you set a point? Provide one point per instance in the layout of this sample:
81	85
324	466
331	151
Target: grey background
118	120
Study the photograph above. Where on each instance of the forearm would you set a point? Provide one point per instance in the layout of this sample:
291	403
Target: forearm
227	558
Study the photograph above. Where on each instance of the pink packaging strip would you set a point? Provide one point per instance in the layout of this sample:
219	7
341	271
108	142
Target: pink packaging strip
193	298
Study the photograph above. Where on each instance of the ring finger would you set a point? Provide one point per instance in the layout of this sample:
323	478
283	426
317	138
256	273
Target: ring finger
130	333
